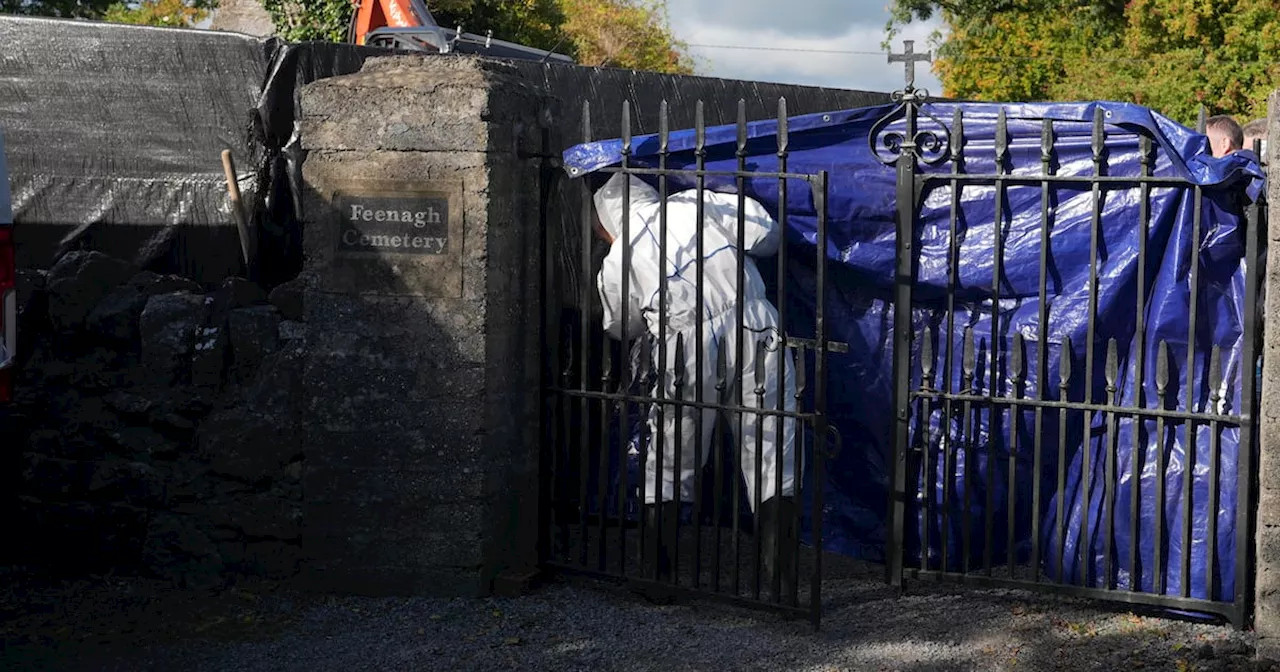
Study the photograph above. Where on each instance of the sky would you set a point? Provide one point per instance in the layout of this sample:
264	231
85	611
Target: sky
844	25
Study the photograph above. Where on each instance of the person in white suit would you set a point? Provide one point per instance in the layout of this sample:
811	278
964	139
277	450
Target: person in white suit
720	333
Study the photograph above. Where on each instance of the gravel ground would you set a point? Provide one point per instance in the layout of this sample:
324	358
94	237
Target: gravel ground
131	624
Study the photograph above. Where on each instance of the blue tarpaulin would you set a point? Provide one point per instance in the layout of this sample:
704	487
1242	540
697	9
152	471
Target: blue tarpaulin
861	251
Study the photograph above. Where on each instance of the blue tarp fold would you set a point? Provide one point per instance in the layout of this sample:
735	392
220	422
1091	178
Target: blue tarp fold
862	210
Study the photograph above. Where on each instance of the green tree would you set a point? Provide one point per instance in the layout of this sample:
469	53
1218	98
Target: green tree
143	12
625	34
532	22
307	20
175	13
1170	55
63	9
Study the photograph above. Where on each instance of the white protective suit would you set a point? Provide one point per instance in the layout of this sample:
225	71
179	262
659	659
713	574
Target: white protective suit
719	315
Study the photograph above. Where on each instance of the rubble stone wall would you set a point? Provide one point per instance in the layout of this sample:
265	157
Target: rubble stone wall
153	429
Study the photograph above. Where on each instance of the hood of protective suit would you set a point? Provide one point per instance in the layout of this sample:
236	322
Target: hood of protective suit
608	201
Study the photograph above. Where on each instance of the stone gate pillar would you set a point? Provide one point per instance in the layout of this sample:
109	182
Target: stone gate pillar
421	279
1267	579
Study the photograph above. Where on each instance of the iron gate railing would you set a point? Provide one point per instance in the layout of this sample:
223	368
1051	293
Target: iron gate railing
685	375
949	380
958	392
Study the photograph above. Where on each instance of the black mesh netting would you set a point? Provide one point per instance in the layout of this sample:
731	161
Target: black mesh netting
114	136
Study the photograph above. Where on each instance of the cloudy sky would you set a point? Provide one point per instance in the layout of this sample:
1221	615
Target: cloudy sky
840	25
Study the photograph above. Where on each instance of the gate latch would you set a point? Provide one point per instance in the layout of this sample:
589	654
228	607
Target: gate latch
812	344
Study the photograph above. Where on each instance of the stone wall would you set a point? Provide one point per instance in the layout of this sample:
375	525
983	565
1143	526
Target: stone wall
154	434
1267	553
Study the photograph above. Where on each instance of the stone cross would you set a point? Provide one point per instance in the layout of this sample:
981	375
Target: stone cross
909	58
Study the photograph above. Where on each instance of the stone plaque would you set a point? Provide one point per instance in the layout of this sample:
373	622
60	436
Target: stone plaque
389	222
389	237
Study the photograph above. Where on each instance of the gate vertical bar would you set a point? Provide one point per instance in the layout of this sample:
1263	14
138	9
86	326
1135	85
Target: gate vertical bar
949	362
1015	414
993	352
820	400
903	284
657	442
801	425
700	364
1189	375
1042	342
602	448
1215	434
624	383
548	462
1065	356
780	437
908	152
738	376
968	363
1139	364
1086	465
1256	224
584	344
925	443
700	149
740	366
1112	375
606	384
1158	581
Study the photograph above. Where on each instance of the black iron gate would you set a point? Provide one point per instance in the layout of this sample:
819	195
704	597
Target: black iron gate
967	403
738	409
975	401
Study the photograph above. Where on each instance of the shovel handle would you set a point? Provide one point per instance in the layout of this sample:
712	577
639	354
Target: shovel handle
233	191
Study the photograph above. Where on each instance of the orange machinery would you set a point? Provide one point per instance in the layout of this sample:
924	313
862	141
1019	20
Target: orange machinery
408	25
